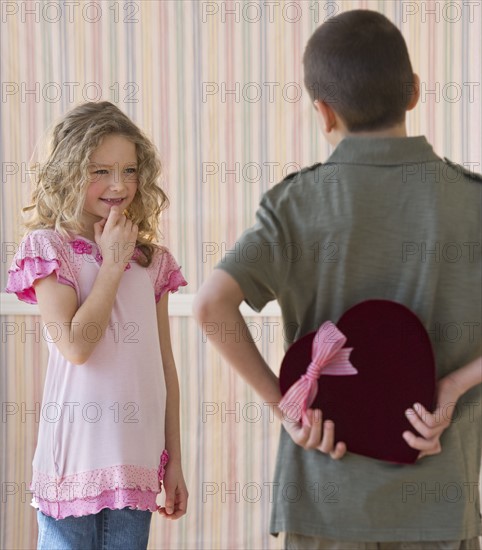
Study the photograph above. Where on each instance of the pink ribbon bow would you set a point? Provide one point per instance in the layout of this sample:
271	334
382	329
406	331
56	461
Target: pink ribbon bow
328	356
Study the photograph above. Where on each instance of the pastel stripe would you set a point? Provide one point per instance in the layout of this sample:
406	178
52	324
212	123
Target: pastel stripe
187	73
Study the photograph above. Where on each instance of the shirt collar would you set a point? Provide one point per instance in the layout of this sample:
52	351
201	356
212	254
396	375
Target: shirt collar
382	151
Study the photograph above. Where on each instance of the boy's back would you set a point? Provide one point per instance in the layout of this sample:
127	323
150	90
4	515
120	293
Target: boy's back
383	217
388	219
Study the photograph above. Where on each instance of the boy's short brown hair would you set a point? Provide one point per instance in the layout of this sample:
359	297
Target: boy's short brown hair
358	63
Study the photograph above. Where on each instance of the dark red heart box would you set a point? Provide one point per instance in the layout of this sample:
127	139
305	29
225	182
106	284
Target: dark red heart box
393	355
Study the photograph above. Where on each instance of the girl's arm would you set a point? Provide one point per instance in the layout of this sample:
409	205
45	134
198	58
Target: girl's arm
174	484
69	323
432	425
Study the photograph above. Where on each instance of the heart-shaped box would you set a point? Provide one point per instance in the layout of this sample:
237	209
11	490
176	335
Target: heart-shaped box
393	355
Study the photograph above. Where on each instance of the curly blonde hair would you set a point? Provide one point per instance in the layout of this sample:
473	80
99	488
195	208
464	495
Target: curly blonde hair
61	179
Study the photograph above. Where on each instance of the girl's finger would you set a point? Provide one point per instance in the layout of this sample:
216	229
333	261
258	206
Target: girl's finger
113	217
98	228
169	506
179	508
181	505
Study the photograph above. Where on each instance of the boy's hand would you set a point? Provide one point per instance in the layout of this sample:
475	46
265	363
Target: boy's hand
432	425
176	492
319	436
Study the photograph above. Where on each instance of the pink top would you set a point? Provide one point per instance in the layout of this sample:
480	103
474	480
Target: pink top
101	433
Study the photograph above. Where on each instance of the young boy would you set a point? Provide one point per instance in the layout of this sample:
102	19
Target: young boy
383	217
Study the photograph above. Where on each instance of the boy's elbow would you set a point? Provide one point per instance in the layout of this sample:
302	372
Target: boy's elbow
219	297
202	307
210	304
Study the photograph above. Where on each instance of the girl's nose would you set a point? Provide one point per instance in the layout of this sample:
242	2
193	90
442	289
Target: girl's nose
117	180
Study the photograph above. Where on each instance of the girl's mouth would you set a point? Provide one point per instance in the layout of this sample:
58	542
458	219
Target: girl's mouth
112	202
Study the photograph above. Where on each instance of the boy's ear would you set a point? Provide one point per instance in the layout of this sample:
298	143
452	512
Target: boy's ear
415	92
327	116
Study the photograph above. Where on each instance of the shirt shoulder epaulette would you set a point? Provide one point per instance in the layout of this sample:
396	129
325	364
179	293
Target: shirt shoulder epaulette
286	185
303	171
466	172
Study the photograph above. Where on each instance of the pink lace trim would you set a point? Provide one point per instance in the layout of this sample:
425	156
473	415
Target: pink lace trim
161	471
174	281
113	499
90	485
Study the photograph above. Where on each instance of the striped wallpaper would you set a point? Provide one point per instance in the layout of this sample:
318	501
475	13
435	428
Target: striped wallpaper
218	87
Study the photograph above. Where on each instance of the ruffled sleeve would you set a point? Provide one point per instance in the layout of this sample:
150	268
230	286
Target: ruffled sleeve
168	276
40	254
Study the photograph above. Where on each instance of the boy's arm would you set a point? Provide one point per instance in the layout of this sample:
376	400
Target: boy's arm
432	425
217	305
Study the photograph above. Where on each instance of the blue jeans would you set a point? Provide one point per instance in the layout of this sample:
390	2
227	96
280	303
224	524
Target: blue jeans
106	530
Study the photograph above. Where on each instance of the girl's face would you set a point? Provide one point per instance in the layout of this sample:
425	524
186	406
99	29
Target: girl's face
112	177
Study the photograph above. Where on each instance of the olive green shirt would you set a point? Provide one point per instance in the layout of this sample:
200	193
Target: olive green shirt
387	219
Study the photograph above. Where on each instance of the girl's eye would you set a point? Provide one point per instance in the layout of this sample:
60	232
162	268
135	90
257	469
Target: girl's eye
131	170
101	172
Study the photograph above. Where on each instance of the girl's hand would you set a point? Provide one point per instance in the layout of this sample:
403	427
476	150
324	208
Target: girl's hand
116	237
319	436
176	492
432	425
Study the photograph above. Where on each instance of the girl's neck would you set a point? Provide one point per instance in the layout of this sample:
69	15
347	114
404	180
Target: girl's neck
88	221
87	236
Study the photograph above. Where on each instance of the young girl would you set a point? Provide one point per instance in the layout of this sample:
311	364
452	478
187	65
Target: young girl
109	429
